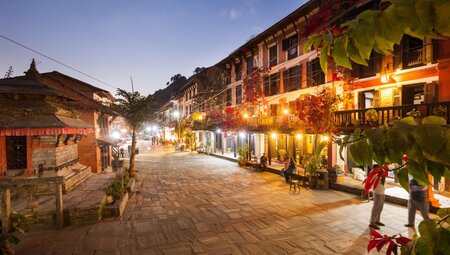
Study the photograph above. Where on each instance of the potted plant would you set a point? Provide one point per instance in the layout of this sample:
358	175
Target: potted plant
242	155
372	117
313	163
281	155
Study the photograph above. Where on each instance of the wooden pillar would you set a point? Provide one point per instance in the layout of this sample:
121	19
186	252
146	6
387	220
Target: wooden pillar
3	164
294	149
5	209
268	150
29	170
59	206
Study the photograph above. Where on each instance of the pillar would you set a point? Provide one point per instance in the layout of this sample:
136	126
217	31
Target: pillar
59	206
268	149
29	170
3	164
5	209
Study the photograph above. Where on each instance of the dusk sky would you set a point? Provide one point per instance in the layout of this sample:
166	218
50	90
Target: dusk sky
112	40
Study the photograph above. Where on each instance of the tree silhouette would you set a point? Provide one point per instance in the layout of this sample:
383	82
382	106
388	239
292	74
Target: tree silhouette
198	70
135	109
9	73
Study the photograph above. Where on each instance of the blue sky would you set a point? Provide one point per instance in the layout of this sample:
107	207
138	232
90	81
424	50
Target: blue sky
114	39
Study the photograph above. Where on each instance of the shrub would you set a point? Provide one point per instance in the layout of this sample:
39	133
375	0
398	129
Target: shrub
115	189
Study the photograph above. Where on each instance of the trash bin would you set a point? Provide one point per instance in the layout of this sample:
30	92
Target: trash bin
322	179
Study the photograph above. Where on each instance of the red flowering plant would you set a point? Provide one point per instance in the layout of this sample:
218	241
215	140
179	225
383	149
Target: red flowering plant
252	87
427	146
315	112
234	119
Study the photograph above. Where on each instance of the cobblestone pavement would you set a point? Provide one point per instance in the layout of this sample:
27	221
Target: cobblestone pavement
191	203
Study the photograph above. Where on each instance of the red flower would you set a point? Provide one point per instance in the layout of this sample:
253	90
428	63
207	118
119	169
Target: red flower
374	177
377	240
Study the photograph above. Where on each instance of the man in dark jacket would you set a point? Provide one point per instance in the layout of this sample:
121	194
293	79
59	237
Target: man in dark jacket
417	201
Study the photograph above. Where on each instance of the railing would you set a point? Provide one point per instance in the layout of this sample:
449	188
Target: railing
386	115
415	57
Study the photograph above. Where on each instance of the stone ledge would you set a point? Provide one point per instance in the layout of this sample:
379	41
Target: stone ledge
117	208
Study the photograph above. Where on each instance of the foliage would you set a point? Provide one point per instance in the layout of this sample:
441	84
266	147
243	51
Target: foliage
234	119
372	116
242	154
198	116
314	162
315	112
17	223
116	189
282	152
135	109
434	238
252	86
380	30
427	146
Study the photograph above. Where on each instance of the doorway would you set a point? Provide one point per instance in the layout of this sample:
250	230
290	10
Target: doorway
16	152
366	99
413	94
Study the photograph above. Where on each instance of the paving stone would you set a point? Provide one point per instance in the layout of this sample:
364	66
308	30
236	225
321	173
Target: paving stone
191	203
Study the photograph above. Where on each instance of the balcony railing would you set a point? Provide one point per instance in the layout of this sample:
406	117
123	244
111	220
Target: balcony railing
386	115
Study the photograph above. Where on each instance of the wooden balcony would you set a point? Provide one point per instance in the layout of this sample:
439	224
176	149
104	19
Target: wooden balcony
348	120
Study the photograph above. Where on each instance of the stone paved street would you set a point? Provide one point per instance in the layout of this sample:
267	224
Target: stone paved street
196	204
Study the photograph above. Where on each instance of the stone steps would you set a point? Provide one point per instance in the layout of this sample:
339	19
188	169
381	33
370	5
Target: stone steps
76	177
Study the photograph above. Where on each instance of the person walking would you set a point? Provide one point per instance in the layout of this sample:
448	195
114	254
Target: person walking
378	202
417	201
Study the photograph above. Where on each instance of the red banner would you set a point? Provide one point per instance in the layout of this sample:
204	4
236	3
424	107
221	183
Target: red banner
44	131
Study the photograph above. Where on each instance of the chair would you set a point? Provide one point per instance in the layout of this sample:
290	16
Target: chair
295	184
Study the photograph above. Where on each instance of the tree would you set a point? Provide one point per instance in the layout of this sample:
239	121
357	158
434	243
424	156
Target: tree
135	109
380	30
198	70
9	73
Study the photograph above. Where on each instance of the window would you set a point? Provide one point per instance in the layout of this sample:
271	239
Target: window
228	97
239	94
237	71
16	152
228	76
273	56
274	110
292	78
290	46
315	74
271	84
249	61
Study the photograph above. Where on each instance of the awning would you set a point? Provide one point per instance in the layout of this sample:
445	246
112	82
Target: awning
44	131
107	141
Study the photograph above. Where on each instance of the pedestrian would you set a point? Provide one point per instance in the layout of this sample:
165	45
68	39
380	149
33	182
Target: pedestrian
378	202
417	201
290	170
263	162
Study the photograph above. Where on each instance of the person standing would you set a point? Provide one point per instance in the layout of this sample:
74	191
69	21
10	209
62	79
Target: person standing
417	201
290	170
378	202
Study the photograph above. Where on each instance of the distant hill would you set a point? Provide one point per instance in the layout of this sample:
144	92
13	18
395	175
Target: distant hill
164	95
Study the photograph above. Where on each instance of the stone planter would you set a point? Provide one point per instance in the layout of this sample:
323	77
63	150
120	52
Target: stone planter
117	208
131	184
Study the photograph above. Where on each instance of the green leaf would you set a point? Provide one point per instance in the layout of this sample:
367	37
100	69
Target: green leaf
402	175
427	15
428	230
363	38
309	42
418	172
354	54
377	137
443	212
423	247
434	120
361	153
442	242
431	138
442	8
324	58
390	25
435	169
318	42
340	52
397	142
368	15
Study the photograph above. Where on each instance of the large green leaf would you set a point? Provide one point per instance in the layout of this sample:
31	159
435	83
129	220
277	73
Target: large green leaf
428	230
368	16
309	42
442	8
442	244
390	25
427	15
361	153
402	175
431	138
397	142
354	54
418	172
423	247
340	52
324	58
435	169
434	120
377	137
363	38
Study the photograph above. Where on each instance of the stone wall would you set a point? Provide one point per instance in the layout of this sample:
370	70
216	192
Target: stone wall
54	157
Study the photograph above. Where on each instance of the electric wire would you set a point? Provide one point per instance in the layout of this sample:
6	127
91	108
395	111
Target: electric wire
57	61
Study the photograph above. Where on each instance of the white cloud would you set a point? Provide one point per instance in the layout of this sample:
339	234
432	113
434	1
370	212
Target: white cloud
234	14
